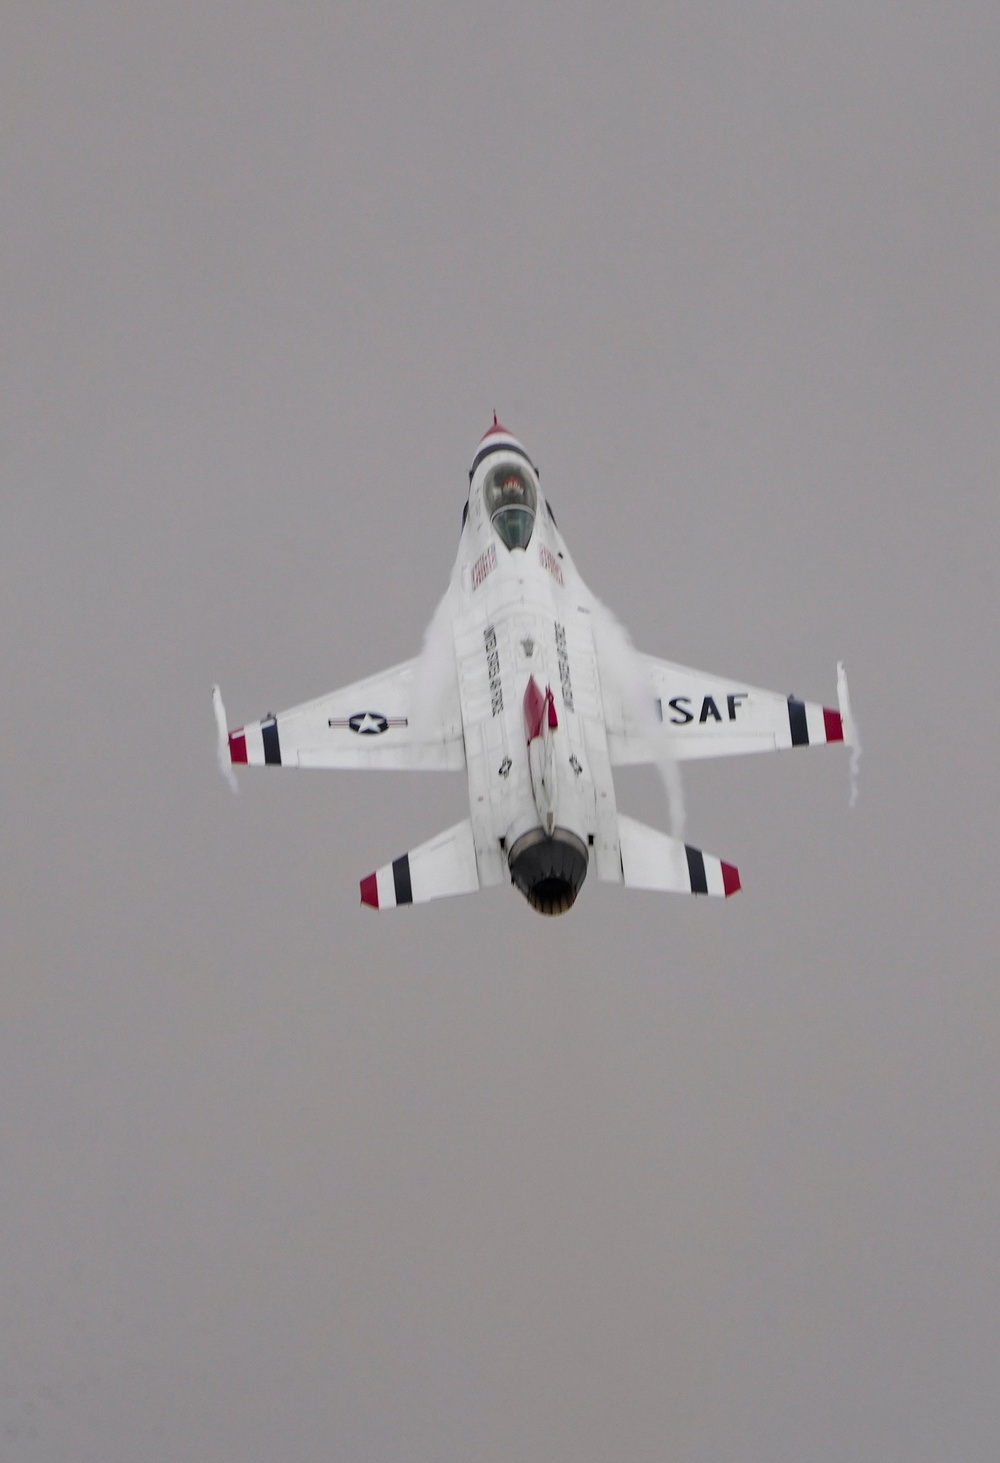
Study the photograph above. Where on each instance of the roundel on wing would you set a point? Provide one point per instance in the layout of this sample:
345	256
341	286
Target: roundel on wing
368	723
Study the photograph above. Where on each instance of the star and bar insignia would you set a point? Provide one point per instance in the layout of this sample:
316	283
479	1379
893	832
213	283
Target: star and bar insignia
367	723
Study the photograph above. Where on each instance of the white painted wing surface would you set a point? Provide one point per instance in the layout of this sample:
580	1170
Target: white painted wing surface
693	714
375	723
444	865
654	860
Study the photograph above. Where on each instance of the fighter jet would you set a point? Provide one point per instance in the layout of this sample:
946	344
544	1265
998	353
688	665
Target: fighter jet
528	688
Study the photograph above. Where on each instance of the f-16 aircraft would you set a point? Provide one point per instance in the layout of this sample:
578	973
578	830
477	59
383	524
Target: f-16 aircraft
526	686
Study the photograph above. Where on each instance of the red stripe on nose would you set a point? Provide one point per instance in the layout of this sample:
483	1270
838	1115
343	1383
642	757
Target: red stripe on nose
730	878
833	724
237	746
369	891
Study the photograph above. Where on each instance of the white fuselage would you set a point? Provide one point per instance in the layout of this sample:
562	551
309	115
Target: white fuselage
521	613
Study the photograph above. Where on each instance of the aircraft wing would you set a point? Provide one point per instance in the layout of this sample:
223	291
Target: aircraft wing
382	722
694	714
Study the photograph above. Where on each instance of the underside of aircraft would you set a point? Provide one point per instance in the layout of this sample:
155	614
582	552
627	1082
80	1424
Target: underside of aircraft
537	695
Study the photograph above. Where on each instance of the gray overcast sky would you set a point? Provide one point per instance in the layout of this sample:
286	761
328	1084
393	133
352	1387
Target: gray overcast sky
657	1181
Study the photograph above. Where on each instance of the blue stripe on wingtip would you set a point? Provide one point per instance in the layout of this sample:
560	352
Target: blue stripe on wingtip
401	879
272	747
797	722
696	869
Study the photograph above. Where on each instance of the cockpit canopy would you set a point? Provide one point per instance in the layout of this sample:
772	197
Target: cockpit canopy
511	500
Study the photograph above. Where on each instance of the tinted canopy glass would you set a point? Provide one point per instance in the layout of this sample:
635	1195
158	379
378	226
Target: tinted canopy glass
511	500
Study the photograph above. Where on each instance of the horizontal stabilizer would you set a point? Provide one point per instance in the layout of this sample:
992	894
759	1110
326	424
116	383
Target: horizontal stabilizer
445	865
653	860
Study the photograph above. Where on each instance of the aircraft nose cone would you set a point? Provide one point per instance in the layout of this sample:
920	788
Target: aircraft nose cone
492	431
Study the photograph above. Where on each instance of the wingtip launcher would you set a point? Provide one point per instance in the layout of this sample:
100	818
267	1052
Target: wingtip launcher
844	702
224	748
